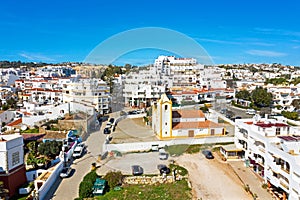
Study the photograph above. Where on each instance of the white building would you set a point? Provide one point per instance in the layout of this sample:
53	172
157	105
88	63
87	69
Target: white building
272	148
12	168
93	92
145	86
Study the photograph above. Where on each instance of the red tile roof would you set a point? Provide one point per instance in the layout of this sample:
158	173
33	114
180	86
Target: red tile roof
267	125
187	114
196	125
14	123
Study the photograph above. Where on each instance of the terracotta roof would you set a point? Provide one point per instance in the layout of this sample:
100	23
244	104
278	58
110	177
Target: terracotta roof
16	122
196	125
188	114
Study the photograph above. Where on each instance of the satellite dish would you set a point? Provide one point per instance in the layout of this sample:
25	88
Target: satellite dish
23	127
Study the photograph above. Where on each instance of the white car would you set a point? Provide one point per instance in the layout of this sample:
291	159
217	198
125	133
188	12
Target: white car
78	151
162	154
65	172
251	112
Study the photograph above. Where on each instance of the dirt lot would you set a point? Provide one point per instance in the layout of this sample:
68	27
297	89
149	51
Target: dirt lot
212	179
132	130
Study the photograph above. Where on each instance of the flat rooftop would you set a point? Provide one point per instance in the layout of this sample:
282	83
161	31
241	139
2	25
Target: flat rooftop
288	138
268	125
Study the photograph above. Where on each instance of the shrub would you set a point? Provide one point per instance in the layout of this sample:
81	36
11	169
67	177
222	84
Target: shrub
85	189
180	170
264	186
290	115
91	176
86	186
114	178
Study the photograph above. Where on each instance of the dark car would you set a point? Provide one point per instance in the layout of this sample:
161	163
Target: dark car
163	169
111	120
137	170
208	154
106	131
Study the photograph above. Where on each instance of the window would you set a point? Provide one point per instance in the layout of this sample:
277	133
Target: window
15	158
277	131
166	107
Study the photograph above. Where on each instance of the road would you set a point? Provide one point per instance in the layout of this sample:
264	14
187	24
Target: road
68	188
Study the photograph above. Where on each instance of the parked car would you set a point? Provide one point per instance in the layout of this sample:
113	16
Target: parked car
65	172
81	144
223	111
251	112
137	170
162	154
106	131
108	125
208	154
78	151
99	187
163	169
111	120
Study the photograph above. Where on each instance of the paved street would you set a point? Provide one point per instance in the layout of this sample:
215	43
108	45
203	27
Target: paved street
67	188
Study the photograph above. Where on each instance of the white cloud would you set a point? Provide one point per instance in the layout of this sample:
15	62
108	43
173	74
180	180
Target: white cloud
266	53
36	57
278	32
217	41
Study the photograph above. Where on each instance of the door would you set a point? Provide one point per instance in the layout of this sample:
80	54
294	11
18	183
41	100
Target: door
212	131
191	133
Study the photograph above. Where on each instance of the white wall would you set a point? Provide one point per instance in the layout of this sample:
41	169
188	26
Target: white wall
43	191
13	144
145	146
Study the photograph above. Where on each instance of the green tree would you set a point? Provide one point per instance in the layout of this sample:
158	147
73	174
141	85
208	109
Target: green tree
86	186
50	148
296	103
243	94
261	97
114	178
290	115
32	160
32	146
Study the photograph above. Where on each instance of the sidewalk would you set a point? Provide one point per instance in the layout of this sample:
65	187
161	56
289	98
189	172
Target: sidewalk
249	177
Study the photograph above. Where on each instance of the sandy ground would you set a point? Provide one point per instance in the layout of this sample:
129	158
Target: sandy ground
212	179
132	130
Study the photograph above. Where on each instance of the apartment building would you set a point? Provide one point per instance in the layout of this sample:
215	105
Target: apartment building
272	148
92	92
12	168
145	86
284	95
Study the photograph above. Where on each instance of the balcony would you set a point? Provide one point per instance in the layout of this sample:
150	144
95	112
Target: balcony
275	181
284	184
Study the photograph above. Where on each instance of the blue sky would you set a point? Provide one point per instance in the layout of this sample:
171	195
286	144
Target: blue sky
231	31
